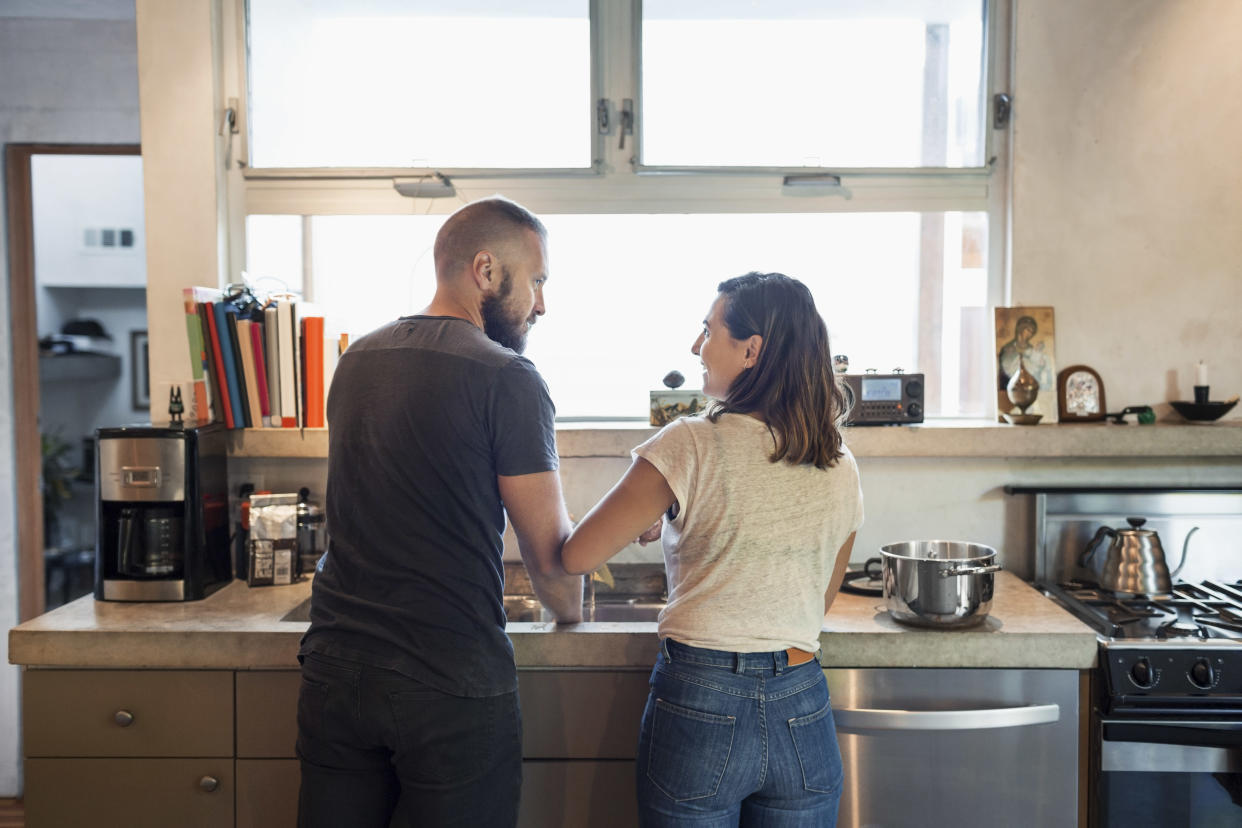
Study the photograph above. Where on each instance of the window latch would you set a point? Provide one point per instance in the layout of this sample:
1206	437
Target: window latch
601	116
1002	109
627	120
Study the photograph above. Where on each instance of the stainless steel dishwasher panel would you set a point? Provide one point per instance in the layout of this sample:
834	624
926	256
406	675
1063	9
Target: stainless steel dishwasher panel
957	747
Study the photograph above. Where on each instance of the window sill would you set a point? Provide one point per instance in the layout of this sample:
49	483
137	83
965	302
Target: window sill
940	438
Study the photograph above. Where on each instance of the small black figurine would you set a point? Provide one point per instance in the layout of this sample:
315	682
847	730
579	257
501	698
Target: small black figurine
175	408
674	379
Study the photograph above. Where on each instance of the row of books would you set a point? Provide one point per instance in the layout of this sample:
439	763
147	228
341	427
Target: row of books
258	365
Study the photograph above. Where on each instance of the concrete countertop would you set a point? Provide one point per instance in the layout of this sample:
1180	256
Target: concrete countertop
239	628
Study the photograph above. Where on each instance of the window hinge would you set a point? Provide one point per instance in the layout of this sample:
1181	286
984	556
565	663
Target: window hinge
1002	109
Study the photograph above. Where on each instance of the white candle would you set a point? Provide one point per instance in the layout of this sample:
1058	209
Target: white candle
1201	374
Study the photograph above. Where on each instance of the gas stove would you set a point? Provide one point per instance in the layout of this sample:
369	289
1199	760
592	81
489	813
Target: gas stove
1176	652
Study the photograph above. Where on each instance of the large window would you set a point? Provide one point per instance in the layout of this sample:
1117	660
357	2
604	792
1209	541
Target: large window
843	143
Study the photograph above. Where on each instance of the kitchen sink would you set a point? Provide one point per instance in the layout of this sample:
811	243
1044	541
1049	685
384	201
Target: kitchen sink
527	608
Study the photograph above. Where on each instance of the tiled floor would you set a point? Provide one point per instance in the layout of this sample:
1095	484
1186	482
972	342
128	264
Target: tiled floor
12	815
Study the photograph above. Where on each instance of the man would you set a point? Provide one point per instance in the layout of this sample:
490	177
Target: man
438	426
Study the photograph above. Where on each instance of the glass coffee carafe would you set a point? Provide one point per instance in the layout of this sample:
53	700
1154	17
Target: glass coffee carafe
150	541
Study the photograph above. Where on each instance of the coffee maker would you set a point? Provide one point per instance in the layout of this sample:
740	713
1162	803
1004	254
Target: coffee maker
161	505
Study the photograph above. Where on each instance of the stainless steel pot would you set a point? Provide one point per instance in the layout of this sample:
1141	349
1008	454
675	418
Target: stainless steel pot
938	583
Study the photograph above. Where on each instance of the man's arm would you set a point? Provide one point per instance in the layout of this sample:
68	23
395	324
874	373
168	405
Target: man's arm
536	509
838	572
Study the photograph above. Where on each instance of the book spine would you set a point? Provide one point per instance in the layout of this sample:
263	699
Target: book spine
288	379
243	402
312	335
271	342
250	371
299	390
215	398
198	358
228	368
260	371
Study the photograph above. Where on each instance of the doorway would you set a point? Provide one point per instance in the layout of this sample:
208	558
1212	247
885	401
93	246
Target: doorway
72	334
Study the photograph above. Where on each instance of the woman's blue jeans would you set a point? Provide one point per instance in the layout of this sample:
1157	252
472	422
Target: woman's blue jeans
737	739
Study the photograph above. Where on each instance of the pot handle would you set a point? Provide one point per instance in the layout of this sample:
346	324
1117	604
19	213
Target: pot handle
969	570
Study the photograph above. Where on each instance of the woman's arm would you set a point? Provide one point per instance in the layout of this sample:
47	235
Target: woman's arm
838	571
637	501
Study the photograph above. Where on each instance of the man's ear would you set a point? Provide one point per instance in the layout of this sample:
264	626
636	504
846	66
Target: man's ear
754	346
481	269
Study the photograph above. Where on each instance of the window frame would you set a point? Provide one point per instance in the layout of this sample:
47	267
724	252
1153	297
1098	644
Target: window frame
616	181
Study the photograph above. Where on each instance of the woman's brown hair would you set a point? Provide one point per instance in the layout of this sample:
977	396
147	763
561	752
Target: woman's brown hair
791	385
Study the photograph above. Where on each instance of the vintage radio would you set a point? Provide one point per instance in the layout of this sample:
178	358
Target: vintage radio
885	399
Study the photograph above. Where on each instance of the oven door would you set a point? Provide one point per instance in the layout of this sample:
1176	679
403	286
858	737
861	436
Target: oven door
1170	772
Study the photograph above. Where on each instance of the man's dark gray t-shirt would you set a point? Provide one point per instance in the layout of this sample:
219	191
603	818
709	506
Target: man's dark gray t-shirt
423	414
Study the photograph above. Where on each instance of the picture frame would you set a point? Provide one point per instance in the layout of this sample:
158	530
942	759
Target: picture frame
1026	336
139	372
1080	395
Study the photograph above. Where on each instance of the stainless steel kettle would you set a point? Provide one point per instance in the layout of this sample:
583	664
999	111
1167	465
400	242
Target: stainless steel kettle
1134	563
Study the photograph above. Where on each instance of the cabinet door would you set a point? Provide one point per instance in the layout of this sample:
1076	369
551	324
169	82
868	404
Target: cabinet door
128	712
267	714
267	793
576	794
129	793
581	714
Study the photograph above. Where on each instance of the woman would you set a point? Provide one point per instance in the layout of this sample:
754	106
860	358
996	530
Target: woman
760	501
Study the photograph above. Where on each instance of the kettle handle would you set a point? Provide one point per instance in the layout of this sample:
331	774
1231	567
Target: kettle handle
1095	541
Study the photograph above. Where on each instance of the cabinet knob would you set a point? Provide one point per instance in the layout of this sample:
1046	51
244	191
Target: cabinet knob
209	783
123	718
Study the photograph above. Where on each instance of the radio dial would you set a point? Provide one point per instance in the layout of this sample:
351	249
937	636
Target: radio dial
914	388
914	410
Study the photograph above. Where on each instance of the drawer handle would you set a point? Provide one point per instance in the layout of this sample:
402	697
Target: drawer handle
123	718
209	783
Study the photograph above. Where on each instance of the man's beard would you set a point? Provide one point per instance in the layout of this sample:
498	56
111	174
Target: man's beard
499	327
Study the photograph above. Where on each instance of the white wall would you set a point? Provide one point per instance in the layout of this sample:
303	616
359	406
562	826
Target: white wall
70	76
1127	189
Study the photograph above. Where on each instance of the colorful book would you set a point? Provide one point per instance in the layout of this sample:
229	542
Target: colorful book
243	401
215	398
271	361
228	365
198	358
288	344
260	371
250	371
312	336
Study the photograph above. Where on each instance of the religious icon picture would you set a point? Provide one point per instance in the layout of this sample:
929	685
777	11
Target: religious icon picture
1025	339
1080	395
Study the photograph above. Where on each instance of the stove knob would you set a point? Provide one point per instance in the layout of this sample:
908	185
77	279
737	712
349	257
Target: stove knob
1142	674
1202	675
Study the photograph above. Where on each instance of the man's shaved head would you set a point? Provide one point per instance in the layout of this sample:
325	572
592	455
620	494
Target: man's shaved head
487	224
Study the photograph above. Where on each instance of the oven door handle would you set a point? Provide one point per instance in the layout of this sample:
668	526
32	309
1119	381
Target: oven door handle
1192	734
853	719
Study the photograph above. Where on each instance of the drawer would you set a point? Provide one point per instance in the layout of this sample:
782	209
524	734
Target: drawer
267	793
267	714
128	713
129	793
577	714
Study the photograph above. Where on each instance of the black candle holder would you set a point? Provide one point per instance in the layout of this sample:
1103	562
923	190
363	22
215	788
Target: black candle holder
1201	393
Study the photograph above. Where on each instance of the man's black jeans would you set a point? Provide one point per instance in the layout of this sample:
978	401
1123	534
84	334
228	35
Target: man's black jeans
377	746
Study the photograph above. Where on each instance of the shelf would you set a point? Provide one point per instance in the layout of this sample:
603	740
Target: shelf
79	367
961	438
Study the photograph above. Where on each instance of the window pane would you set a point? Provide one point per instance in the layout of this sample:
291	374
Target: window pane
627	293
858	83
274	253
419	83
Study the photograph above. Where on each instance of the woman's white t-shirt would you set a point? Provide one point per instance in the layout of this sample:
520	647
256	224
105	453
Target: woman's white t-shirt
753	546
